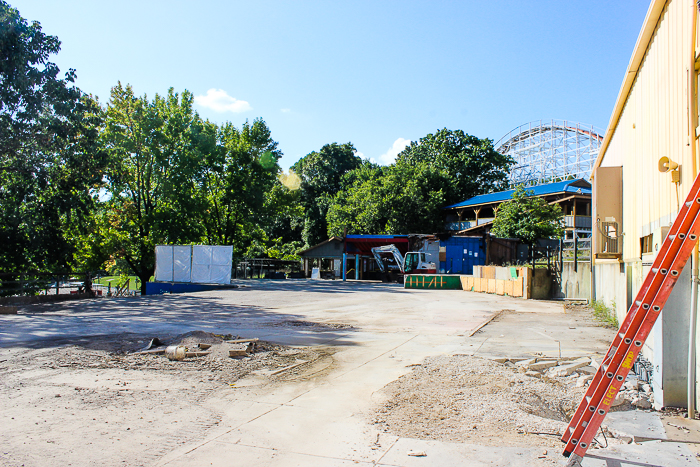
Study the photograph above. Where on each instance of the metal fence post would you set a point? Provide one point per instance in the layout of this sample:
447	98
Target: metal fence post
561	255
575	252
345	264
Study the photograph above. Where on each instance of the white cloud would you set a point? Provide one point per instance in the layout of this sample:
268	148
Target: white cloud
219	101
361	155
390	156
285	111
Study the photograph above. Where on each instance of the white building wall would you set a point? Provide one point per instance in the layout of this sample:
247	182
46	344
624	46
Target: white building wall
655	121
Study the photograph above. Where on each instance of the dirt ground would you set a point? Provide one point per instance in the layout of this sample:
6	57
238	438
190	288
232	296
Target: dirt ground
93	400
462	398
129	409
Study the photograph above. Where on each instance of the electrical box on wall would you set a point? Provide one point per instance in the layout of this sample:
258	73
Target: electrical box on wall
658	238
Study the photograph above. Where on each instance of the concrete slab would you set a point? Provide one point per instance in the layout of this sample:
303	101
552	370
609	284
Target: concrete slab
376	331
458	454
637	423
296	429
650	454
546	334
225	454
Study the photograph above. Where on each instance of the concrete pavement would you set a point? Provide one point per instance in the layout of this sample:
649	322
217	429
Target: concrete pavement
377	331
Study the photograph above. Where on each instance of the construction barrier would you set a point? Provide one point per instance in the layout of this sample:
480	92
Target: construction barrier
512	288
432	281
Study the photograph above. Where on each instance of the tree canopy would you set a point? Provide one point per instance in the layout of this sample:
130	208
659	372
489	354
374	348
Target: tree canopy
528	218
467	166
157	152
176	179
408	196
50	160
321	173
85	186
239	174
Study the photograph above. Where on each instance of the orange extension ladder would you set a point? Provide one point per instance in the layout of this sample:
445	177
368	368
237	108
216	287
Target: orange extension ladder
634	330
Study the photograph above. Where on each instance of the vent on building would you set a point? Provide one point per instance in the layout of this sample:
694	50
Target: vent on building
611	238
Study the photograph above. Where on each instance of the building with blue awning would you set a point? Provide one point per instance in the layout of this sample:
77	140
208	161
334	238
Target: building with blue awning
475	215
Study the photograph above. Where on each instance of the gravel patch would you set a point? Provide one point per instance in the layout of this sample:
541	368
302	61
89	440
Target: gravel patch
462	398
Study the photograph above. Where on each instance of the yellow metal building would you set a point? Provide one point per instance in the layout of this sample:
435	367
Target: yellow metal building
637	193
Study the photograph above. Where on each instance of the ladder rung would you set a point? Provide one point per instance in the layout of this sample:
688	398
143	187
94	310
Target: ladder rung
636	327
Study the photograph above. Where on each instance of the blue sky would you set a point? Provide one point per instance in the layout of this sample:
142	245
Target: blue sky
377	74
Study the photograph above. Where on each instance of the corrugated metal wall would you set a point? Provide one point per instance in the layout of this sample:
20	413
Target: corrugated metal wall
654	124
461	254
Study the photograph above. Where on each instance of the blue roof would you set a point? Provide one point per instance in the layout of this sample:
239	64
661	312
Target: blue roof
579	186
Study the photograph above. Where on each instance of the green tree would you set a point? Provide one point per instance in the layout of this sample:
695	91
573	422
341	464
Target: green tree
467	166
50	160
157	152
528	218
361	207
408	196
282	216
241	185
321	174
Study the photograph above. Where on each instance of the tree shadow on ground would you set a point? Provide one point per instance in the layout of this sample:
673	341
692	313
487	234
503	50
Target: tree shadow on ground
612	462
321	286
162	315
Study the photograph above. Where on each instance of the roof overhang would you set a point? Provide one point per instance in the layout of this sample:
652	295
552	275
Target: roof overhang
485	227
332	239
363	245
568	195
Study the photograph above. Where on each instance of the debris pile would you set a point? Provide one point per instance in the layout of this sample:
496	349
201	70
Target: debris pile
580	371
500	401
201	355
638	394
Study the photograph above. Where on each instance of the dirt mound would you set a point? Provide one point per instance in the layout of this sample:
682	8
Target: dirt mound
121	351
315	325
462	398
192	338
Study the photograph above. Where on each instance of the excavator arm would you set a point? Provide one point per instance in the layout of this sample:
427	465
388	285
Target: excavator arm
398	257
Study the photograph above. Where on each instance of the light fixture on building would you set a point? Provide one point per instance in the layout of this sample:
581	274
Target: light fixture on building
667	165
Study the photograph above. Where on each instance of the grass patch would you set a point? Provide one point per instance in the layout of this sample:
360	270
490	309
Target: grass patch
134	283
605	314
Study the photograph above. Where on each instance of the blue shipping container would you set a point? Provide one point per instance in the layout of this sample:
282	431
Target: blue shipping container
462	254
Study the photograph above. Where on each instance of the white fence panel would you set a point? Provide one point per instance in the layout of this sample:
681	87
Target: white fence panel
164	263
203	264
221	263
211	264
182	263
